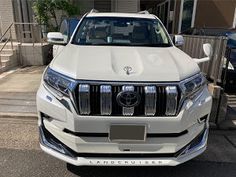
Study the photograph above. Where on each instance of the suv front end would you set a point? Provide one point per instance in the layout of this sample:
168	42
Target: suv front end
137	120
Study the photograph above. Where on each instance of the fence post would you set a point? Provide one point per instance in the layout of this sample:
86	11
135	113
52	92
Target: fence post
41	33
32	33
0	61
11	39
228	52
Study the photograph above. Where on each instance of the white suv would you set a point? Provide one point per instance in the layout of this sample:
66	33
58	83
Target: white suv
120	93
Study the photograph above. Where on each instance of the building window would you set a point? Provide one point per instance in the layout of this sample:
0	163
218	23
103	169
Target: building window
162	11
187	14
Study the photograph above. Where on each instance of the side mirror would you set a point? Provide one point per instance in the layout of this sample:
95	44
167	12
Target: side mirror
56	38
178	40
207	50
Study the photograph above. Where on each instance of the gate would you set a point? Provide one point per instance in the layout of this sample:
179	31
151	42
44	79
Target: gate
193	47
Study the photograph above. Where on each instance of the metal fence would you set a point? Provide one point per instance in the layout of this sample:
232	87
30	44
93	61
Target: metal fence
29	32
193	47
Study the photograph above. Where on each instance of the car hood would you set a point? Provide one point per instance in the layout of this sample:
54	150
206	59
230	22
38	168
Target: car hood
110	63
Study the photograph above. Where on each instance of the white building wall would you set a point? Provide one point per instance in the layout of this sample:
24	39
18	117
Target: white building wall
6	16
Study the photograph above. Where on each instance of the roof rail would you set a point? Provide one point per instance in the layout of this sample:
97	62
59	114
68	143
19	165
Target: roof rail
143	12
93	11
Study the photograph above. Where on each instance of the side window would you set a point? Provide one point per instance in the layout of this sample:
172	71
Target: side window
64	28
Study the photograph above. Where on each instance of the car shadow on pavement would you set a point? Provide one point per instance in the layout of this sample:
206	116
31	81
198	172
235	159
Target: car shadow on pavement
189	169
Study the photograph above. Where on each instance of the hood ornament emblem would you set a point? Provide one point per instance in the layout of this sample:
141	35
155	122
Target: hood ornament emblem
128	69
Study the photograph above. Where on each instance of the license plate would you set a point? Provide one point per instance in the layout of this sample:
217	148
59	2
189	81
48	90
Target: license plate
127	133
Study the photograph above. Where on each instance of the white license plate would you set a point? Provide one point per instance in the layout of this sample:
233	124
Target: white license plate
127	133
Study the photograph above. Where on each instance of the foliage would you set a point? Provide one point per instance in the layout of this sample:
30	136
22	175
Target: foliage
46	11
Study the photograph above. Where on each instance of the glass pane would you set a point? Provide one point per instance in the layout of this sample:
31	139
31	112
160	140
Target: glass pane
187	14
121	31
162	15
166	13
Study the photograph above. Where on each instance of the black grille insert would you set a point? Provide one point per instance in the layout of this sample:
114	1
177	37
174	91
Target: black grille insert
117	109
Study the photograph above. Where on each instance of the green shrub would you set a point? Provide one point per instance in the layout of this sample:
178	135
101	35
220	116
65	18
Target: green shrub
45	12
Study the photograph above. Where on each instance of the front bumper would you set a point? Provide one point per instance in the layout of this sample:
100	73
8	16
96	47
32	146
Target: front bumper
54	147
185	135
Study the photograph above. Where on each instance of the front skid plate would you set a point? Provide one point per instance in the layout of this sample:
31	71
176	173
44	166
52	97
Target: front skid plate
82	161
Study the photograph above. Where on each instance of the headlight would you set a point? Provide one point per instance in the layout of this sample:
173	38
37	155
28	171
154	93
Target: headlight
58	83
190	87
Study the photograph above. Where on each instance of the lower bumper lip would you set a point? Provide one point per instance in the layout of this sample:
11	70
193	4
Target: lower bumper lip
56	148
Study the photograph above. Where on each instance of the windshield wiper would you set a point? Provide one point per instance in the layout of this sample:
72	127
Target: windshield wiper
154	45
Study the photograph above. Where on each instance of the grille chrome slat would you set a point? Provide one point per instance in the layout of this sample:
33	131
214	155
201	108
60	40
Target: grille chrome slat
171	100
150	100
127	111
84	99
106	99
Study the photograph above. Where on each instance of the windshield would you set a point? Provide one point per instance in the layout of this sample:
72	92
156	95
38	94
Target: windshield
121	31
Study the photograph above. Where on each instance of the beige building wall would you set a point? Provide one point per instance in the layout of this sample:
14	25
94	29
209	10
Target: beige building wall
210	13
6	16
215	13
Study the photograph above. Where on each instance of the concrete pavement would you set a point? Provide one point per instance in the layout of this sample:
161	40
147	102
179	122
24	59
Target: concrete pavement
20	156
18	91
22	163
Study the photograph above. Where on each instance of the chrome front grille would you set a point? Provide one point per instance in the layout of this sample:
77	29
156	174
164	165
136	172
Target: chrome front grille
172	96
104	100
150	100
84	99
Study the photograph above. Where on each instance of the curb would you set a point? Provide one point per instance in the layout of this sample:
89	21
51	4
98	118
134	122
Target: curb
18	115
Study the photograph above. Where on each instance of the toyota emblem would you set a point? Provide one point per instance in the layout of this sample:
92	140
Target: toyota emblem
128	99
128	69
